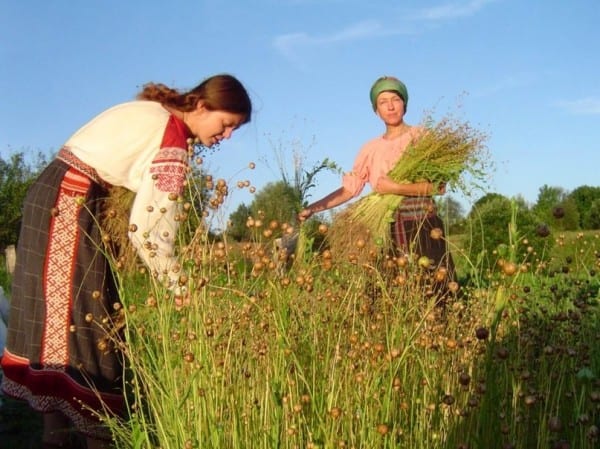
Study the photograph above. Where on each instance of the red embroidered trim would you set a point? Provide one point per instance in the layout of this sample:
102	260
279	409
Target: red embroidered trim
176	134
169	166
62	247
50	391
66	155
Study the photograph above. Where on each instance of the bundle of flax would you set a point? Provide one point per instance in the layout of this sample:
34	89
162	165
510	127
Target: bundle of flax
114	223
448	151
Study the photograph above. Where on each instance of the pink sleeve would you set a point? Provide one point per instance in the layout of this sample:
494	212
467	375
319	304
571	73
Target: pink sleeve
353	183
355	180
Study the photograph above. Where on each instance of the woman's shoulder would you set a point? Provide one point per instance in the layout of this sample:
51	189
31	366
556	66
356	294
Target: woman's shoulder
124	119
369	148
416	131
137	107
131	114
374	143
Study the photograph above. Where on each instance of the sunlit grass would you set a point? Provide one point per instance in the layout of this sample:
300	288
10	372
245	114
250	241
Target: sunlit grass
342	354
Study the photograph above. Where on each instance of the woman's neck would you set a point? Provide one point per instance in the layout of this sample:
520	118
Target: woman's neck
176	112
392	132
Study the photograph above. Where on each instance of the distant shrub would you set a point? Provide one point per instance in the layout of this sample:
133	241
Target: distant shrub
505	228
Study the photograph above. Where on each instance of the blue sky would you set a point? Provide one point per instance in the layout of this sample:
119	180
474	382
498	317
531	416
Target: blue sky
526	72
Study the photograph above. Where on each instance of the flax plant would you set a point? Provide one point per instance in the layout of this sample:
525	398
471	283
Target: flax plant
356	352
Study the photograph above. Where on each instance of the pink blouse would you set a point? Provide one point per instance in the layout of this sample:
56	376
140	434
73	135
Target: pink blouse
374	160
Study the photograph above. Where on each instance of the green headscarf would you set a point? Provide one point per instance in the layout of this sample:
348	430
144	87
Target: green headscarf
388	83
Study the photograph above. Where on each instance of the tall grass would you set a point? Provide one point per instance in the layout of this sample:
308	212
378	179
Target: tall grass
334	353
357	355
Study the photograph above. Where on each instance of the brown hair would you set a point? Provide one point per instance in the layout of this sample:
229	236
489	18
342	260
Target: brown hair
219	92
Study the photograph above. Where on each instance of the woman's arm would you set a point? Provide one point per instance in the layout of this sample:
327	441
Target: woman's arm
424	188
153	218
335	198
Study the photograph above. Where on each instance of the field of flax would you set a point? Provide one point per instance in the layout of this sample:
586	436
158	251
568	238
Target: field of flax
329	353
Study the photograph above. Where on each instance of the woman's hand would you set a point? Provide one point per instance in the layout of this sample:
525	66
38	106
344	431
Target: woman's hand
305	214
334	199
181	296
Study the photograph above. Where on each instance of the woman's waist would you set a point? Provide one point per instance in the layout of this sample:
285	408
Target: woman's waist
412	206
68	157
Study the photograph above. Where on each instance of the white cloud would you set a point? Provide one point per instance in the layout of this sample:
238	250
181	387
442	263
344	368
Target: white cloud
362	30
507	83
450	10
305	2
290	45
582	106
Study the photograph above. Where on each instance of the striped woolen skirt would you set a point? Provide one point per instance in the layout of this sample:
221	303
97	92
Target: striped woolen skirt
60	354
414	219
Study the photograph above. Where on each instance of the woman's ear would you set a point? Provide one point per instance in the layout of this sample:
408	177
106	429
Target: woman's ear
200	106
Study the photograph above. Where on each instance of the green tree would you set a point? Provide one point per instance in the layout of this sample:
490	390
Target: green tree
485	199
501	222
16	175
565	216
594	215
237	228
453	214
276	201
554	208
584	196
548	198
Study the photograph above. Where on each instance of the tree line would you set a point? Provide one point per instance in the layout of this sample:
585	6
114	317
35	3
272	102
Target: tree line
555	209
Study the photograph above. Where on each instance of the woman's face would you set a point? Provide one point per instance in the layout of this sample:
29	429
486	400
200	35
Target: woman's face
210	127
390	108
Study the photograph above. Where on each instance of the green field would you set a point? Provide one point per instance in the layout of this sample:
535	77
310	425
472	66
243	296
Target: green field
356	355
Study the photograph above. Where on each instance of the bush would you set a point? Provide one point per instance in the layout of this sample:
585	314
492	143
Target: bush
16	175
504	228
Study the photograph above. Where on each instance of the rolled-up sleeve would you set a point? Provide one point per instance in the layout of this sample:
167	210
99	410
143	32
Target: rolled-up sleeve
352	183
356	180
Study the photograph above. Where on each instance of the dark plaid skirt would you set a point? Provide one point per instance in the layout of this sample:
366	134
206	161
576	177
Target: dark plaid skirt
411	232
60	354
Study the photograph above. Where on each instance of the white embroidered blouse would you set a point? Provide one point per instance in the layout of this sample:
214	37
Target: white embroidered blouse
143	147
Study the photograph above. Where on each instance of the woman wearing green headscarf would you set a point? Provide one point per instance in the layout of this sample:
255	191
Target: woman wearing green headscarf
416	228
